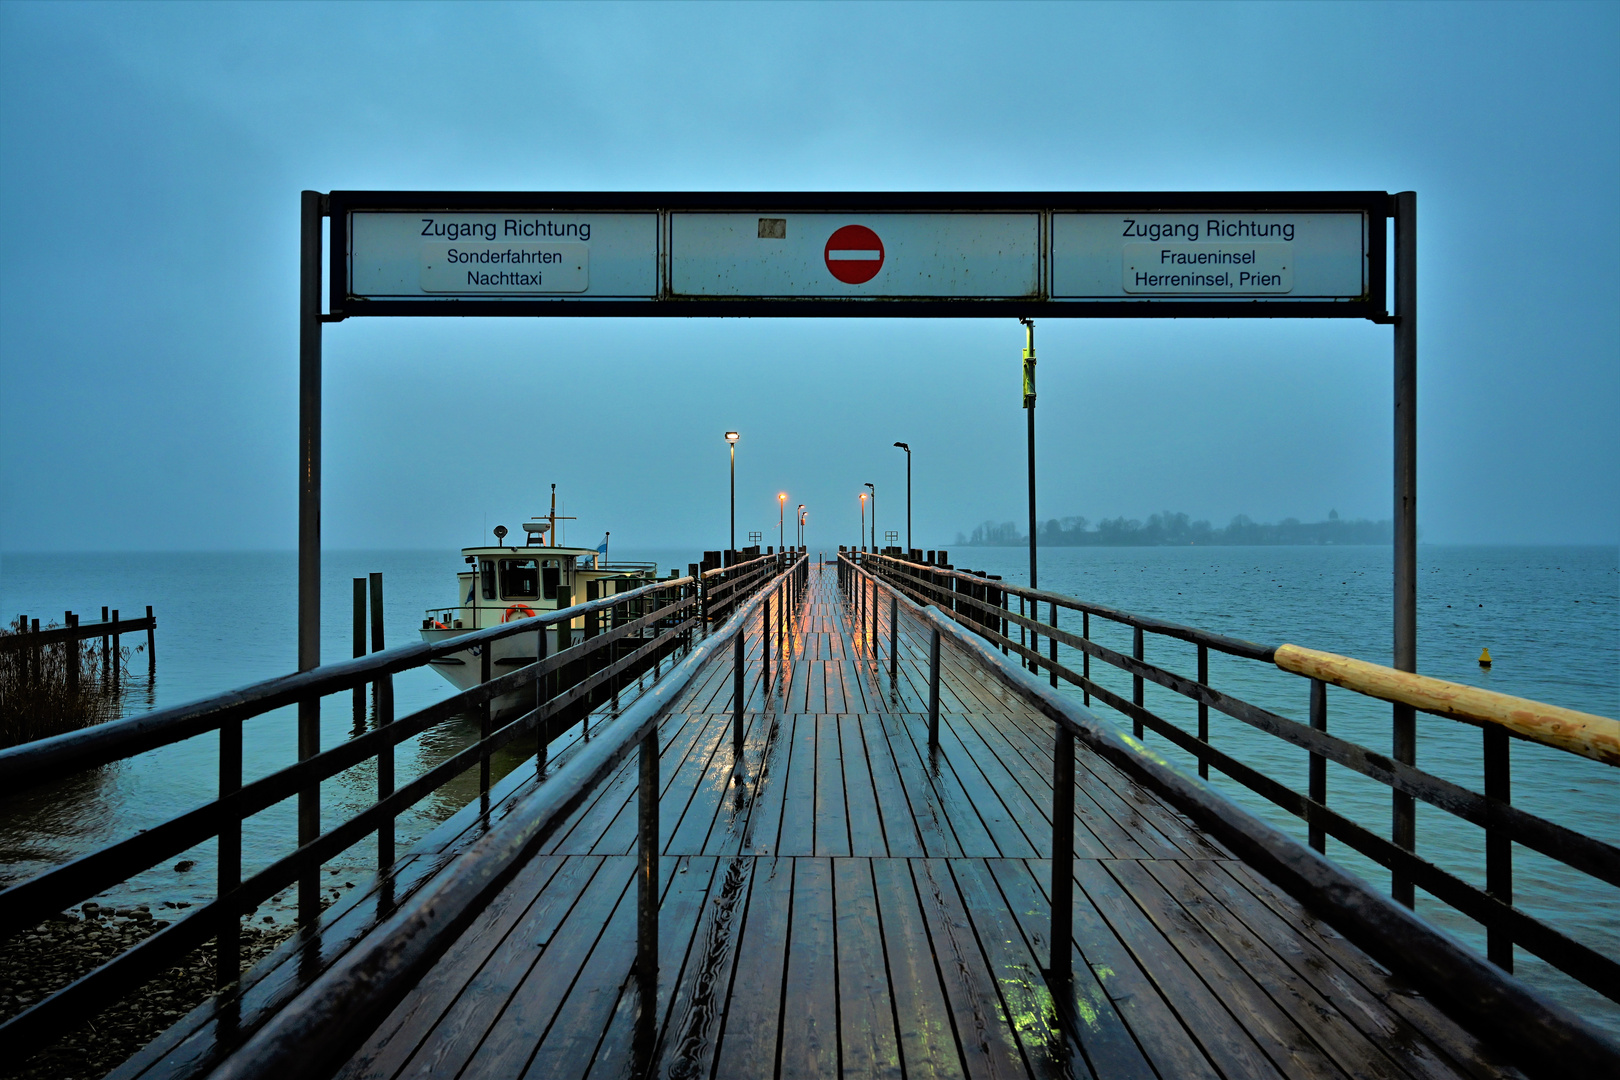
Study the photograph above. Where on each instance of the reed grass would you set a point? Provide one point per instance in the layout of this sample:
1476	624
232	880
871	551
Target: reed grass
38	698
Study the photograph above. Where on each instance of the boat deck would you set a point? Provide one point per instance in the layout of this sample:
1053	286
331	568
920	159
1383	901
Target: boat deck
857	907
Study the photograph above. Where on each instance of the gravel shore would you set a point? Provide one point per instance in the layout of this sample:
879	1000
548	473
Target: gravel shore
66	947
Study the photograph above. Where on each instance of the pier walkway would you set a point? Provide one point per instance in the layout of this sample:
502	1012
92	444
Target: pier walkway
856	905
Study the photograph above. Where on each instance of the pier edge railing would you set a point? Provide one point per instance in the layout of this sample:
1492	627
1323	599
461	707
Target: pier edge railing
1478	989
662	616
316	1032
1500	717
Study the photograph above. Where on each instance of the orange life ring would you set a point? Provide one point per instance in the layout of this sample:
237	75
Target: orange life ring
518	611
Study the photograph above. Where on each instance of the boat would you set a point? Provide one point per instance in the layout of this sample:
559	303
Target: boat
509	583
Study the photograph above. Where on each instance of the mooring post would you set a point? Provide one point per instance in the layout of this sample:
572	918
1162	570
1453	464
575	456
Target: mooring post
359	649
1404	820
933	690
117	649
1317	779
151	641
106	649
737	700
647	885
1060	966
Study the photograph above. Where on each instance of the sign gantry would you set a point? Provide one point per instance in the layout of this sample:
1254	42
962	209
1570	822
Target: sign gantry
1152	254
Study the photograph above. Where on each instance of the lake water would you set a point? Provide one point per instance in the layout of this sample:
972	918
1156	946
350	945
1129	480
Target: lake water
1550	617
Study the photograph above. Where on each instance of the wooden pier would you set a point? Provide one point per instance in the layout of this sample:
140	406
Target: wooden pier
857	905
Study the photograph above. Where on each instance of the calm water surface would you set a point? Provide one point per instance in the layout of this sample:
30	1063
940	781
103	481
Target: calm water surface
1550	617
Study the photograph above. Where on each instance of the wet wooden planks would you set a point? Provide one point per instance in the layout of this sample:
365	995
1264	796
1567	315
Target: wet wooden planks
855	905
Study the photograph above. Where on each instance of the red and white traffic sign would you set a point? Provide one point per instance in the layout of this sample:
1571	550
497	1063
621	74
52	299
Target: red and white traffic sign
854	254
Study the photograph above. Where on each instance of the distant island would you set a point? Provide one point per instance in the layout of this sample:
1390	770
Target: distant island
1178	530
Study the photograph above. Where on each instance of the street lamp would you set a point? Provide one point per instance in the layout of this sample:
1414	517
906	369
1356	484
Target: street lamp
874	518
801	524
863	521
781	515
731	437
907	449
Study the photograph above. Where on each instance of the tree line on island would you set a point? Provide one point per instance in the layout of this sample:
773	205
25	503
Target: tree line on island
1175	529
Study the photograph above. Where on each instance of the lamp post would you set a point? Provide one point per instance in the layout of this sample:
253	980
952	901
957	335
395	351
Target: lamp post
907	449
781	516
863	521
800	523
1029	408
731	438
874	518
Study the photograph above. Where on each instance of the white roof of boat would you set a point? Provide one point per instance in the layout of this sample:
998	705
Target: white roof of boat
523	549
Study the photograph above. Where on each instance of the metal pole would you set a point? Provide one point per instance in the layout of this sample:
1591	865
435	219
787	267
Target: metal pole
894	637
309	529
733	498
647	885
1404	825
1029	409
1317	778
933	691
737	700
908	502
1060	966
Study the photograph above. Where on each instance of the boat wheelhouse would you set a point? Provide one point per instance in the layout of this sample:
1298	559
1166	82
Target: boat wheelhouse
505	583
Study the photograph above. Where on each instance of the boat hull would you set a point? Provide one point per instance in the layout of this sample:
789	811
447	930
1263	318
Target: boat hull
464	669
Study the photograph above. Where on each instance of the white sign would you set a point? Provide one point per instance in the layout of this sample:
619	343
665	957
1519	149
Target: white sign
812	256
506	268
1307	256
1208	268
423	254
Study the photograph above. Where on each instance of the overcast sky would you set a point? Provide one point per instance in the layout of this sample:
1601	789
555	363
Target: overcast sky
151	158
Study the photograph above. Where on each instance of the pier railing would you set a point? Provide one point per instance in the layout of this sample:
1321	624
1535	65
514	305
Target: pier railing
984	608
319	1029
1469	986
625	634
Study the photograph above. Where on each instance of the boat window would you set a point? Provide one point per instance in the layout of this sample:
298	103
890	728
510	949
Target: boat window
519	579
486	573
550	578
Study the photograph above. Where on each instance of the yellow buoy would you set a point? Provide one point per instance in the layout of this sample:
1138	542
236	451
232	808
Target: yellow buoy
1484	658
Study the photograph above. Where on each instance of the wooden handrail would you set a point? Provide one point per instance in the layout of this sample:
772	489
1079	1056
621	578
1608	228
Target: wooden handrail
1595	737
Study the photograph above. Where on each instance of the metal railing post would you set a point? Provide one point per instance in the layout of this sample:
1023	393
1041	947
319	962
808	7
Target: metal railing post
541	683
933	690
765	645
1498	847
359	649
1318	768
894	637
737	699
1060	966
385	770
228	942
1052	644
485	660
1203	710
309	809
1136	680
647	882
1085	657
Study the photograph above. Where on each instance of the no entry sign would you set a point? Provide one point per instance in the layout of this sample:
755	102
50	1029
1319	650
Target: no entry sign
854	254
